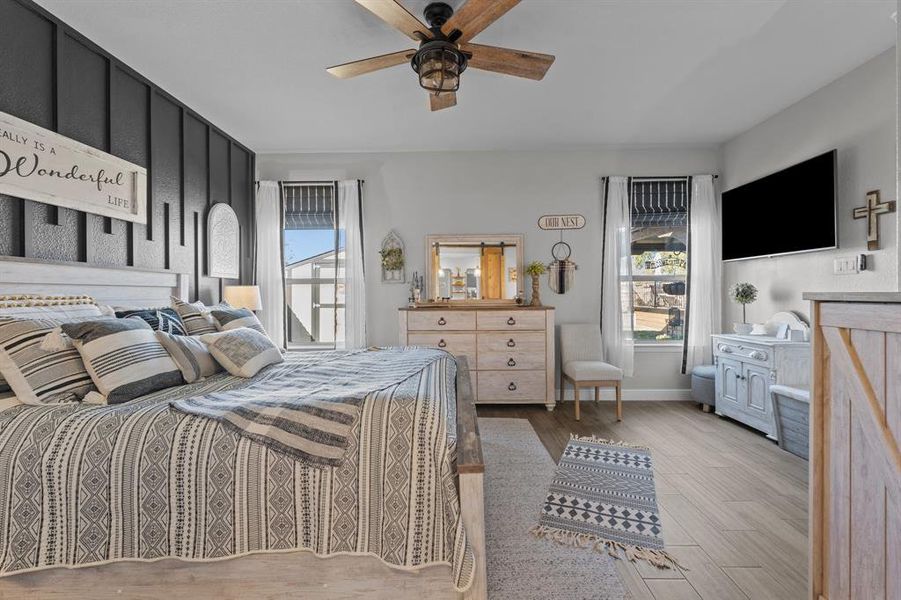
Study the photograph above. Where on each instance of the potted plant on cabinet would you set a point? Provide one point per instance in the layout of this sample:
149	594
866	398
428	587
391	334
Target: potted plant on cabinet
536	269
743	293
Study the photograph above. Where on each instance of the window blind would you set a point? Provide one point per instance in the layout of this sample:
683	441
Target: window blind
659	202
309	206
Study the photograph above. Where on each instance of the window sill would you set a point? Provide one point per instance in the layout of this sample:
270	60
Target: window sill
659	347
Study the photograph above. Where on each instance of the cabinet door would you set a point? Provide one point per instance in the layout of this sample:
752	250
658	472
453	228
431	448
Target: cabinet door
728	384
757	380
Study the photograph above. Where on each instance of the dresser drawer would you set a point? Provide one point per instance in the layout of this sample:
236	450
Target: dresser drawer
458	344
441	320
512	386
521	342
746	352
511	320
514	359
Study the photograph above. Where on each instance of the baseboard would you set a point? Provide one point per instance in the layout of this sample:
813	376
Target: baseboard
632	394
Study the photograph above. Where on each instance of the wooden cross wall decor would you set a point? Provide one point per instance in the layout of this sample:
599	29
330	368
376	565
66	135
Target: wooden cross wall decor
871	212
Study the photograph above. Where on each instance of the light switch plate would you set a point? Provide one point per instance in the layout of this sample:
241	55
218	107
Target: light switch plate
846	265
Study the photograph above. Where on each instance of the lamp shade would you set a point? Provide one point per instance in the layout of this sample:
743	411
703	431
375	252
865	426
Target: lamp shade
244	296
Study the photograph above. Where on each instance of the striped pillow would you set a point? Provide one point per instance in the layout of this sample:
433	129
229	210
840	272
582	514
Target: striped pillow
159	319
194	316
243	351
233	318
124	358
39	376
190	354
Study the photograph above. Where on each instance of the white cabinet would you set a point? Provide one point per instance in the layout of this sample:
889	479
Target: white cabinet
746	368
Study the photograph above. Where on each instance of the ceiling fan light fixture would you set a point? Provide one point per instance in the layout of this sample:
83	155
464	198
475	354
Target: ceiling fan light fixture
439	65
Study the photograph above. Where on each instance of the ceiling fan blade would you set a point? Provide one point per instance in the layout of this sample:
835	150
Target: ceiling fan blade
519	63
474	16
368	65
442	101
393	13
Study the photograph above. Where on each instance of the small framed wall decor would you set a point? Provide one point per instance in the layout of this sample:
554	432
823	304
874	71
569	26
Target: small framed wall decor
223	242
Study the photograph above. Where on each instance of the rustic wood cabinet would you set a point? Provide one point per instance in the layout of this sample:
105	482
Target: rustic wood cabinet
510	348
855	463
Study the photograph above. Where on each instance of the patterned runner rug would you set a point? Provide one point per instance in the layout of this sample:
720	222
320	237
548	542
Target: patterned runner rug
603	497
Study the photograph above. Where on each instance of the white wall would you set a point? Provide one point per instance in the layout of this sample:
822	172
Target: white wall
855	114
493	192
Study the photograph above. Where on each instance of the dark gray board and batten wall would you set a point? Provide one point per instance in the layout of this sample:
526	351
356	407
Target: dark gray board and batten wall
54	77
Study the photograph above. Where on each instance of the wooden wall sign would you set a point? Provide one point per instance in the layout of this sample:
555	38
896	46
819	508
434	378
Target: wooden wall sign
871	211
38	164
559	222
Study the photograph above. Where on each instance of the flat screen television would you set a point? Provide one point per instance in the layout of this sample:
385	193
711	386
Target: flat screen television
793	210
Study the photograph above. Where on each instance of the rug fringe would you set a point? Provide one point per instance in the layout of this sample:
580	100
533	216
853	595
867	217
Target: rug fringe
659	558
597	440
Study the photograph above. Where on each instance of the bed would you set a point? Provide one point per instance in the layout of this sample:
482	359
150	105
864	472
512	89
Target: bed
141	500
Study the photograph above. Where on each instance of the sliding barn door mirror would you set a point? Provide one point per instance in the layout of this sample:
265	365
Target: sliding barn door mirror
474	268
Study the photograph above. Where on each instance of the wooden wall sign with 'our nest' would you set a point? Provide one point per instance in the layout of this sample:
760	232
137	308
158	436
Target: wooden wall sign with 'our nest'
38	164
557	222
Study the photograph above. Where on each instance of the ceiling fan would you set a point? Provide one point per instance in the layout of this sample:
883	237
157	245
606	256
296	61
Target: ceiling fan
445	49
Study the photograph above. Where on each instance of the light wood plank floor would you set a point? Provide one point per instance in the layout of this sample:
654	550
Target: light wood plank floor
733	505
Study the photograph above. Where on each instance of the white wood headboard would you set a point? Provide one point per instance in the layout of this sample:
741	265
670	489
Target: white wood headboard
116	286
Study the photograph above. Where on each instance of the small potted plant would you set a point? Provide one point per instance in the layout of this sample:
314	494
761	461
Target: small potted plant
743	293
536	269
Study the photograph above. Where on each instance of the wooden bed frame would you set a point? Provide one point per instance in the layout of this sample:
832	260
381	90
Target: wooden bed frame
291	574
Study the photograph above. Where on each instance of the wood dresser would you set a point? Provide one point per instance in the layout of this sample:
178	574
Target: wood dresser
855	463
510	349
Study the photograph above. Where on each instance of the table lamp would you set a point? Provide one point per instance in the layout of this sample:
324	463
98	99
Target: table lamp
244	296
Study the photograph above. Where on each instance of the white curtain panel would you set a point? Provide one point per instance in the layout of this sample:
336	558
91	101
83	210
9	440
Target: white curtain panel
705	254
616	280
349	220
269	269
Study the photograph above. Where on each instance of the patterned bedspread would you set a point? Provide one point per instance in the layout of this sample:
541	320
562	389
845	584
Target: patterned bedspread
83	485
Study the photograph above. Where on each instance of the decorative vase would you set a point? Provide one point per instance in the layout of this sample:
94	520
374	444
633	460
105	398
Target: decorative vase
536	291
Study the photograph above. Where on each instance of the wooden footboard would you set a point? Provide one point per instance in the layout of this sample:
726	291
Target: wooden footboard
471	473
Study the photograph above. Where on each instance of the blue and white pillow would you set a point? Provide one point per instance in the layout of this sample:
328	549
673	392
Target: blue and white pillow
235	318
159	319
124	358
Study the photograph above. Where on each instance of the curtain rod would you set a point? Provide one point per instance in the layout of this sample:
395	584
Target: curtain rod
330	181
661	178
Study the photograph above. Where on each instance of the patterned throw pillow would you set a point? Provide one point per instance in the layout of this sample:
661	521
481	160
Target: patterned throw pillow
243	351
233	318
40	376
159	319
124	358
190	354
195	316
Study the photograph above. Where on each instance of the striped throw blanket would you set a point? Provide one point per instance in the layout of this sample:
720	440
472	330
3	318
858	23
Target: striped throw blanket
307	412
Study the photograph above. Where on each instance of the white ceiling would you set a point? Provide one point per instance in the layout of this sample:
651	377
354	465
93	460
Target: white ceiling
628	72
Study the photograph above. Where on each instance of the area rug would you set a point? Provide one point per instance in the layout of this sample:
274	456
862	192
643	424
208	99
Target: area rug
603	497
521	567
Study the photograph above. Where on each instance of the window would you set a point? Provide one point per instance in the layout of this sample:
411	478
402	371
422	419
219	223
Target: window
659	258
314	266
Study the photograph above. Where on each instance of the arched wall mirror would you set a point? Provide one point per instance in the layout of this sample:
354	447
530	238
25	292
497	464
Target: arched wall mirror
474	268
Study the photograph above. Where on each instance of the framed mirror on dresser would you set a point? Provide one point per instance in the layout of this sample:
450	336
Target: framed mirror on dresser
474	290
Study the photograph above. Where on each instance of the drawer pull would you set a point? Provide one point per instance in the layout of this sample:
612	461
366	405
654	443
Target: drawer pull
442	321
757	355
511	343
511	321
442	344
512	387
511	363
725	349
